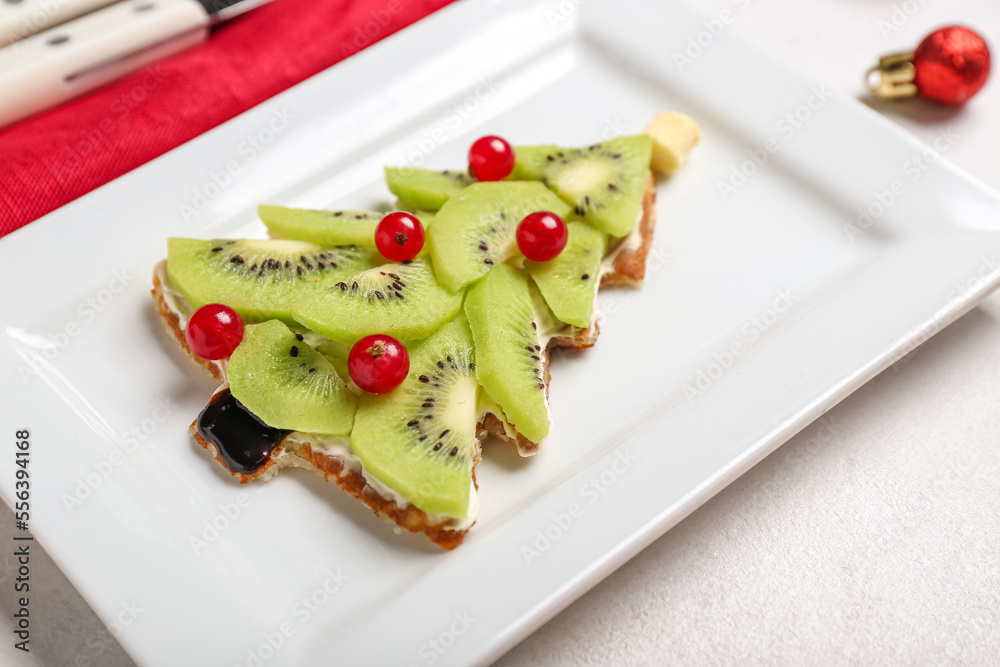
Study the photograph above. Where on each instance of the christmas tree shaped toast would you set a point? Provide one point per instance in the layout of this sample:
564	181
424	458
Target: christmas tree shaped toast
380	350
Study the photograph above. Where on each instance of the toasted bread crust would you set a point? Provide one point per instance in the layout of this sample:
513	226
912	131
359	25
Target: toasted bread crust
172	325
408	516
579	339
353	482
629	268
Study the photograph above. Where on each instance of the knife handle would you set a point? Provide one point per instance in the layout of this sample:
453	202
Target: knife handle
23	18
63	62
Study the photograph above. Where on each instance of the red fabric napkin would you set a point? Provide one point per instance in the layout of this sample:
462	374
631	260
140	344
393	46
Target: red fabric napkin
61	154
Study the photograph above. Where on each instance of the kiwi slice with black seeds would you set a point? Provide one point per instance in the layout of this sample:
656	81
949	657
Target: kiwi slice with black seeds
508	353
478	229
425	217
570	280
328	228
530	162
401	300
288	384
420	438
603	183
259	279
425	188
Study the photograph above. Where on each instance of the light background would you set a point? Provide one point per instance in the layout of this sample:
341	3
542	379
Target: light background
872	537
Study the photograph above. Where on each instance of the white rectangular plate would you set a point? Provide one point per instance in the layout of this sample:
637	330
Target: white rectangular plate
762	309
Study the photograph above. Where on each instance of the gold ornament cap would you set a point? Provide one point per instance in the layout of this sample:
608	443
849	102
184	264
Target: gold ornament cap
892	78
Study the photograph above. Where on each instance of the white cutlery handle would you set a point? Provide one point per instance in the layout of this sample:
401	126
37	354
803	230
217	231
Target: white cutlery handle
24	18
58	64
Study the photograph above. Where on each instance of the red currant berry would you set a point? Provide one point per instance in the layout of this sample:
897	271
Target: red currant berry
399	236
541	236
214	331
378	363
491	159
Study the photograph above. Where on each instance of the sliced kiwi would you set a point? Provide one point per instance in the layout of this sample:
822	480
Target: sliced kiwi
259	279
425	188
321	227
604	183
569	281
531	162
478	228
403	205
329	228
288	384
508	352
425	217
420	438
402	300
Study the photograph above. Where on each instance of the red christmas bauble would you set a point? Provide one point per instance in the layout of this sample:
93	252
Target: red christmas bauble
951	64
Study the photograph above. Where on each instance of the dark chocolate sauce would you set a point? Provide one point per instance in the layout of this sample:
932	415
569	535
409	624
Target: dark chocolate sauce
243	441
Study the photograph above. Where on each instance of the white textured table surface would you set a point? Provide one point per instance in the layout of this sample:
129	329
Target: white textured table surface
873	537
